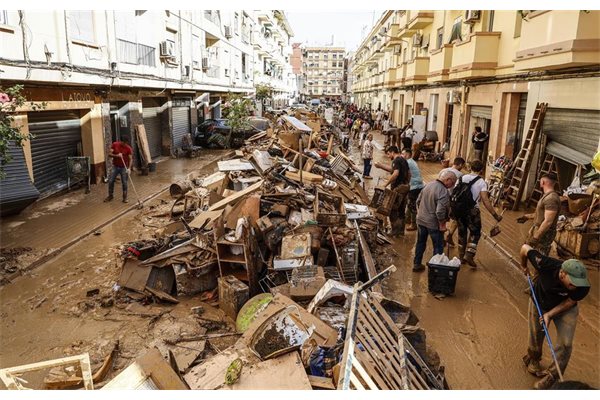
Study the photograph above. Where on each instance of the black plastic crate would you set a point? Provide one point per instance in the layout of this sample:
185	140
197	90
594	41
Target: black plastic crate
442	278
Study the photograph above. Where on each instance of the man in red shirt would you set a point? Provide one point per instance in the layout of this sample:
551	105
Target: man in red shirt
121	154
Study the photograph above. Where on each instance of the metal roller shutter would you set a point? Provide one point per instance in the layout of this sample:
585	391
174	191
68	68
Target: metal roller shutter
151	114
181	124
16	189
57	135
481	112
576	129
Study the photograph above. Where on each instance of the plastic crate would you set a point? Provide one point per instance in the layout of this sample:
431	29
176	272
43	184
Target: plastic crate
442	278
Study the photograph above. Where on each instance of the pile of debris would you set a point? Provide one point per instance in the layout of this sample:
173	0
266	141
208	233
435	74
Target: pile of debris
579	230
280	238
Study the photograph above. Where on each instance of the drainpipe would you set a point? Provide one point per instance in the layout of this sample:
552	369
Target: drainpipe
462	121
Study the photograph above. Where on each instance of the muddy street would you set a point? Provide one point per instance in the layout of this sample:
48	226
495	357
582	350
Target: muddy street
480	332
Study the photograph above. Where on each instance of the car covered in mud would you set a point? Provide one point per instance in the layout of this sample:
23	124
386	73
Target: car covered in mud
216	133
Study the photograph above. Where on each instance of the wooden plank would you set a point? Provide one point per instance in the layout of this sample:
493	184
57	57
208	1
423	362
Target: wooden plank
356	382
346	362
403	362
140	132
321	382
381	329
235	197
301	176
384	363
162	295
363	374
337	256
367	258
364	359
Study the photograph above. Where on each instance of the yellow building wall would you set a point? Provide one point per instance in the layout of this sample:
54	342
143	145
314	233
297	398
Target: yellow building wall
92	135
505	22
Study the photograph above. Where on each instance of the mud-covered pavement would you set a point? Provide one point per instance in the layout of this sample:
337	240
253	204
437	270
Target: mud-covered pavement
480	332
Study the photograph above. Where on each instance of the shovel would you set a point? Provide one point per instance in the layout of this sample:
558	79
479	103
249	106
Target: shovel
495	231
140	205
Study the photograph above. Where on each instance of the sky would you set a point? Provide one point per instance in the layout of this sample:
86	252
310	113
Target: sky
347	27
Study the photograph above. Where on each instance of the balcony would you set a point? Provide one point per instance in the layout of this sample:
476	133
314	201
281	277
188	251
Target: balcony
475	57
440	63
420	20
389	78
417	71
573	40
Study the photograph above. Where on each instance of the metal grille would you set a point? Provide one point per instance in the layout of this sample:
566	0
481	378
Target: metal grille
16	189
137	54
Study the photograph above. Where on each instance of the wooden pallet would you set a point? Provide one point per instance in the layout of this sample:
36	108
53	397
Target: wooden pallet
525	157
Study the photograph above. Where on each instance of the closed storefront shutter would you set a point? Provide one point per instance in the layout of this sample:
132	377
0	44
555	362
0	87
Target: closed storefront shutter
181	121
16	189
481	112
57	135
578	130
152	123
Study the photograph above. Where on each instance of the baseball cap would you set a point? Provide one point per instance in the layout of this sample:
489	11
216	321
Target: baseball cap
577	272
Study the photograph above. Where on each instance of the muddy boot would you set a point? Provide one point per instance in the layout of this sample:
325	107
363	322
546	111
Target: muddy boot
461	254
449	240
109	198
533	366
397	228
545	383
125	197
470	255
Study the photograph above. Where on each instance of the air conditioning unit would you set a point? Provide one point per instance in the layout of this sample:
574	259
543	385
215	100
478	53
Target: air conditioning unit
205	65
167	49
227	31
417	39
453	97
397	48
472	15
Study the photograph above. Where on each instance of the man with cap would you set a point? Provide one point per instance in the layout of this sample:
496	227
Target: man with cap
545	217
560	285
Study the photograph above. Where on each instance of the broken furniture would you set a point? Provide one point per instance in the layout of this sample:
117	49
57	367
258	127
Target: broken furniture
377	355
329	209
233	294
11	376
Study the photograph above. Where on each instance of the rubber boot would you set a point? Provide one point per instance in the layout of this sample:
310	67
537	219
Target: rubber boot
461	254
125	197
109	198
397	228
470	255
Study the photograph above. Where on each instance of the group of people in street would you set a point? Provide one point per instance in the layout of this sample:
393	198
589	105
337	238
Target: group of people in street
451	203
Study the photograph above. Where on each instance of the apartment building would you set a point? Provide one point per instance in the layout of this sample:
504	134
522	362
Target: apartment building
347	81
272	56
467	68
102	73
298	70
324	71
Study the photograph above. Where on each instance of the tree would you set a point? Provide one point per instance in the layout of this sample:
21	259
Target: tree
263	92
236	110
11	99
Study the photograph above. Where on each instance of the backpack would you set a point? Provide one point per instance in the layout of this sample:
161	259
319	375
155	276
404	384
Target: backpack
461	200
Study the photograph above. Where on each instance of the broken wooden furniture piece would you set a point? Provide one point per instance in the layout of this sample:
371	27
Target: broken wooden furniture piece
376	354
12	380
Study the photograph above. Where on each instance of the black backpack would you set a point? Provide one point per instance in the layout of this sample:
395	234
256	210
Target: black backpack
461	200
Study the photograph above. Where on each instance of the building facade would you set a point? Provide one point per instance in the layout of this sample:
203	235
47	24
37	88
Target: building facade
272	56
298	70
103	73
324	71
467	68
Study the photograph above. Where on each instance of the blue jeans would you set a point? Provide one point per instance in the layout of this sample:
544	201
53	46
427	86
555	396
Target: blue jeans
113	175
437	238
367	166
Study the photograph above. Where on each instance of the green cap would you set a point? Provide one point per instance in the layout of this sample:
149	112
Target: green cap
577	272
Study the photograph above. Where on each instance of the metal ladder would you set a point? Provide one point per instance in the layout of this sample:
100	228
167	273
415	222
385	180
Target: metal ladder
548	166
525	156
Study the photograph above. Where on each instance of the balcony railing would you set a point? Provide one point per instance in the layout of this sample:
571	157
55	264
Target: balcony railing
573	42
420	19
417	71
135	53
440	62
475	57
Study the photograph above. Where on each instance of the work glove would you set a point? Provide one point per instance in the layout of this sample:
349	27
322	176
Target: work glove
522	219
498	217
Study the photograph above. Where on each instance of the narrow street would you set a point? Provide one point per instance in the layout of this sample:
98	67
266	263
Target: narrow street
480	333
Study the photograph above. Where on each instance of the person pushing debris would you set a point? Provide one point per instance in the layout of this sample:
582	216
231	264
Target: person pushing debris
558	289
121	154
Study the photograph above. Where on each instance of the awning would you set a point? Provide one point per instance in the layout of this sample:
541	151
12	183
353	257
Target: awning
566	153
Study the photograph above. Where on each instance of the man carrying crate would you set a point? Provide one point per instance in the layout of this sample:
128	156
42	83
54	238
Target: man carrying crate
399	183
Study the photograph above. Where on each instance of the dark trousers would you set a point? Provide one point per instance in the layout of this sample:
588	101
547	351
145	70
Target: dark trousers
113	176
469	228
406	143
411	206
367	166
437	238
346	143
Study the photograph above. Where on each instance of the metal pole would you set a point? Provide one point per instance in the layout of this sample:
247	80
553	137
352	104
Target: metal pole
539	310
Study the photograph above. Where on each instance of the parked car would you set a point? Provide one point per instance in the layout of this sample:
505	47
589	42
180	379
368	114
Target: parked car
214	133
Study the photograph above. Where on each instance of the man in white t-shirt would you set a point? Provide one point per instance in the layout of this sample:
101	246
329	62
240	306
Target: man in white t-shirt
456	168
469	223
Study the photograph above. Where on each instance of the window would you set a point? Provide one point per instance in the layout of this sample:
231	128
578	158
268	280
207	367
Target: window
3	17
334	56
196	54
244	64
236	24
81	26
130	51
456	30
172	38
439	38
